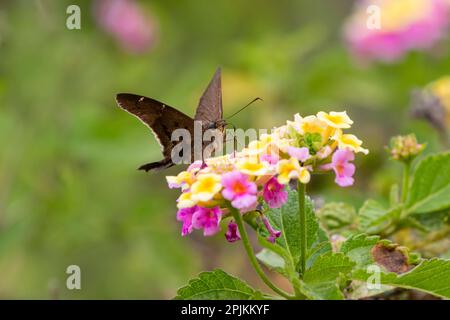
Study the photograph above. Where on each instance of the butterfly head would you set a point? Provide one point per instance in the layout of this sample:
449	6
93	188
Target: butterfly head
219	124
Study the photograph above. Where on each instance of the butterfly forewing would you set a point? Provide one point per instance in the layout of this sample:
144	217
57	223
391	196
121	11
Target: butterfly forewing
209	109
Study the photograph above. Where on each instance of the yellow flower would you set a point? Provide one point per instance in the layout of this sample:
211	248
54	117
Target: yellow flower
183	180
255	147
288	169
253	167
185	201
206	187
335	119
279	132
304	175
349	141
401	13
220	164
311	124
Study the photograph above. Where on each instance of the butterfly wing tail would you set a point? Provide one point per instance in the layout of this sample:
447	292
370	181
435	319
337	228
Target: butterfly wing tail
156	166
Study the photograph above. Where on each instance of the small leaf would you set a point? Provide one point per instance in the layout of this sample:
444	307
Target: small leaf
373	217
217	285
336	215
430	187
321	280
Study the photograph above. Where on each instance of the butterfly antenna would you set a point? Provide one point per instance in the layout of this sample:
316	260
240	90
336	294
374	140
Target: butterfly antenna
248	104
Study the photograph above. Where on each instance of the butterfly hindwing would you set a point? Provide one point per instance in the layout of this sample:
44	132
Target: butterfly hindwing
159	117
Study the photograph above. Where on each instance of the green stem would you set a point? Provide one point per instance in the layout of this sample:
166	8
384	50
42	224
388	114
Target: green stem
301	211
251	255
405	185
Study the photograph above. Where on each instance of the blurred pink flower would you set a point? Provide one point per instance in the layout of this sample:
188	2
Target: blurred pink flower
272	159
301	154
125	20
405	25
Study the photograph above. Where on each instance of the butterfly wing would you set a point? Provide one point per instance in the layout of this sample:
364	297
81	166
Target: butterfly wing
209	109
159	117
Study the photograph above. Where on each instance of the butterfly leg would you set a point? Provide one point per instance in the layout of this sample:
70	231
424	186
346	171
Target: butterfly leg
156	166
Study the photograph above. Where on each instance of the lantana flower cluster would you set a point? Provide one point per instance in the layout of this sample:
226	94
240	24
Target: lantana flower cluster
402	26
259	175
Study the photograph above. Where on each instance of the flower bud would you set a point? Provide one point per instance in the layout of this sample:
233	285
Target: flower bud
405	148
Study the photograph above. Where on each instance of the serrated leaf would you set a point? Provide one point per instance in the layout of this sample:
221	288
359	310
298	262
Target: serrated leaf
432	276
217	285
336	215
374	217
272	260
358	249
321	246
430	186
287	220
321	280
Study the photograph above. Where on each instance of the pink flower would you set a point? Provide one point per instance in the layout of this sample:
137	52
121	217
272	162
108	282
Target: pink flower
301	154
273	234
340	163
417	27
274	193
207	219
232	233
270	158
185	215
240	191
125	21
196	166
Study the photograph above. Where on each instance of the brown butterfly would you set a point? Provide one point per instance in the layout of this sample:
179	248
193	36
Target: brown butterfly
163	119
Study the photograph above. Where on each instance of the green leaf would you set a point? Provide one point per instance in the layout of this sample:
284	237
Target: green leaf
432	221
321	246
336	215
358	249
432	276
287	220
321	280
430	187
394	195
217	285
272	260
374	217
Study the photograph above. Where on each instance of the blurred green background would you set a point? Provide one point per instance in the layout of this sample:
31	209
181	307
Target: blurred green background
69	189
